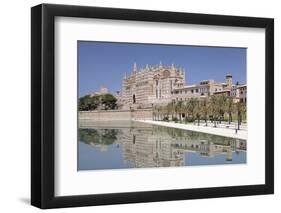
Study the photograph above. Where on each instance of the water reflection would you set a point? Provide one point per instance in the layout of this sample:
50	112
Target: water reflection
137	145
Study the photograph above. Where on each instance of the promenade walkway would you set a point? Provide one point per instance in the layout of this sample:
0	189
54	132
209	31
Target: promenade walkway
222	131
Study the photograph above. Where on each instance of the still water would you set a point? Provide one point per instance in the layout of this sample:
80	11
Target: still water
116	145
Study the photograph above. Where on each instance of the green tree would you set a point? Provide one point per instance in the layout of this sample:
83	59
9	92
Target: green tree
108	101
105	101
87	103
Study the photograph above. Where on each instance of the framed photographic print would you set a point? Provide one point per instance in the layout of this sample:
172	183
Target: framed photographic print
138	106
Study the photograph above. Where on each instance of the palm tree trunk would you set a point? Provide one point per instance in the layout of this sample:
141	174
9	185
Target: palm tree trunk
239	121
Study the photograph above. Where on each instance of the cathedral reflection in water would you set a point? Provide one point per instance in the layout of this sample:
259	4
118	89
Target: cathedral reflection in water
144	146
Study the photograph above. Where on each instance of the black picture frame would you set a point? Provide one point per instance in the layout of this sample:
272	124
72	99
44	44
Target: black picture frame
43	105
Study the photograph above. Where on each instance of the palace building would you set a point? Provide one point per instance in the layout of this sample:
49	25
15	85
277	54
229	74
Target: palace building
159	84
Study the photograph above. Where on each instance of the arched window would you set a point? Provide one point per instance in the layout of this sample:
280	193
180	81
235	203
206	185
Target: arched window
134	99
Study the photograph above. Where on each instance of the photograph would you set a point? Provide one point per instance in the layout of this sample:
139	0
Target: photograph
143	105
133	105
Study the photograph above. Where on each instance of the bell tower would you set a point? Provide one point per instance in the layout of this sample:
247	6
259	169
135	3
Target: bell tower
228	80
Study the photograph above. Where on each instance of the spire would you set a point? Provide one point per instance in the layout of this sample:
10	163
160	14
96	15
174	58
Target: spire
135	67
160	64
173	67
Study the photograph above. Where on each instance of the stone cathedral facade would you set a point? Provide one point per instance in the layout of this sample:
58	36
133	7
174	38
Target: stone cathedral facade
150	85
158	85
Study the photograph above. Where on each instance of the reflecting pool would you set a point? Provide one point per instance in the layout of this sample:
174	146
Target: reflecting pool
130	144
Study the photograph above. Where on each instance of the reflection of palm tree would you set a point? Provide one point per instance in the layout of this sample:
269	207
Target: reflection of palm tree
187	136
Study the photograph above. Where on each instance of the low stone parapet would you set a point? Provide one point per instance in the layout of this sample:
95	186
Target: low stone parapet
113	115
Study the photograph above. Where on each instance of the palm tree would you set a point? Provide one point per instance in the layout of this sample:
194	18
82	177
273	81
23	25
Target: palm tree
153	112
197	110
205	109
229	108
190	107
161	112
165	112
222	99
179	108
170	109
157	112
240	109
244	111
214	108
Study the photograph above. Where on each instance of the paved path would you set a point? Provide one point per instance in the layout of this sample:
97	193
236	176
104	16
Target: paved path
241	134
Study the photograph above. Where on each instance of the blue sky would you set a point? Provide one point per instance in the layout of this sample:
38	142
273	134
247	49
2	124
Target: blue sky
104	63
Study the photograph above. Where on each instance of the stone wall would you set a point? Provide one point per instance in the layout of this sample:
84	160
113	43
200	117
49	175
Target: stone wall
141	114
115	115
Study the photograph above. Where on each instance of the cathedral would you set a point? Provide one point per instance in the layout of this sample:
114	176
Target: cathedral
159	85
150	85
